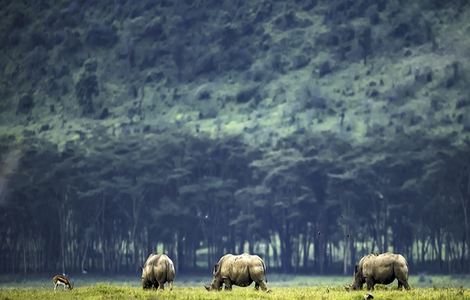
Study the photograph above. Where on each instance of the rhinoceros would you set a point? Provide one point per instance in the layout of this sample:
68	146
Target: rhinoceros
157	270
240	270
380	268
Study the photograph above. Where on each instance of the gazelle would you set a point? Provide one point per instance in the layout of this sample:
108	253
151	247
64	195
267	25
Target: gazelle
61	280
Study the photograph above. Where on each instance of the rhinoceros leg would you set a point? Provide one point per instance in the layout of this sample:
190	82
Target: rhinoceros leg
403	283
170	285
370	284
228	284
161	285
261	284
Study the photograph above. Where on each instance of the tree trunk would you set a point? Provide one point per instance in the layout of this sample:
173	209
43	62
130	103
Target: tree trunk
251	246
62	234
24	257
286	248
136	209
321	245
102	237
352	252
306	242
346	255
464	206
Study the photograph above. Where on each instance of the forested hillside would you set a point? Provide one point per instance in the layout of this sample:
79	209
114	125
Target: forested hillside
310	132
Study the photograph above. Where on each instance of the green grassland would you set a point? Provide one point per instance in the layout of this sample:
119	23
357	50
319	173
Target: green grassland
282	287
108	291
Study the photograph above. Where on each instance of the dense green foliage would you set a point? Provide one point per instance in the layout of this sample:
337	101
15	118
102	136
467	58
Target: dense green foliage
309	132
107	202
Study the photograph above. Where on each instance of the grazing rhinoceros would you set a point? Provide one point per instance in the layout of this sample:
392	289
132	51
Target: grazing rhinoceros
240	270
157	270
382	269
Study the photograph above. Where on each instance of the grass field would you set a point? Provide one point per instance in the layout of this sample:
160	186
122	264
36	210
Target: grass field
282	287
106	291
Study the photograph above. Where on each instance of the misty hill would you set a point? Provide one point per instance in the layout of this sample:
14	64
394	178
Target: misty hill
356	69
322	124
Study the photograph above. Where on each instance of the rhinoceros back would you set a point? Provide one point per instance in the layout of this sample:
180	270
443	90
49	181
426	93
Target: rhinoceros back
159	267
242	269
384	268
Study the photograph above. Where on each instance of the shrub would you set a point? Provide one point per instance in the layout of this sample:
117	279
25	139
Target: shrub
309	96
25	105
100	35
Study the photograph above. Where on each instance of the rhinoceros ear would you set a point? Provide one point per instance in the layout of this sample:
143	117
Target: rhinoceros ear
216	269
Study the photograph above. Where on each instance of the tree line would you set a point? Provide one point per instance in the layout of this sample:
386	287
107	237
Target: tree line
308	203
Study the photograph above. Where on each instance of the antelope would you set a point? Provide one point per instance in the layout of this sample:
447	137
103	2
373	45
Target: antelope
61	280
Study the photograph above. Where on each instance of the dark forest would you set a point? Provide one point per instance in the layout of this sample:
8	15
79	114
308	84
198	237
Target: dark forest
308	204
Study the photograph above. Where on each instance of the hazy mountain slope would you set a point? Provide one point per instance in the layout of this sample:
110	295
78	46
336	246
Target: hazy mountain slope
263	69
